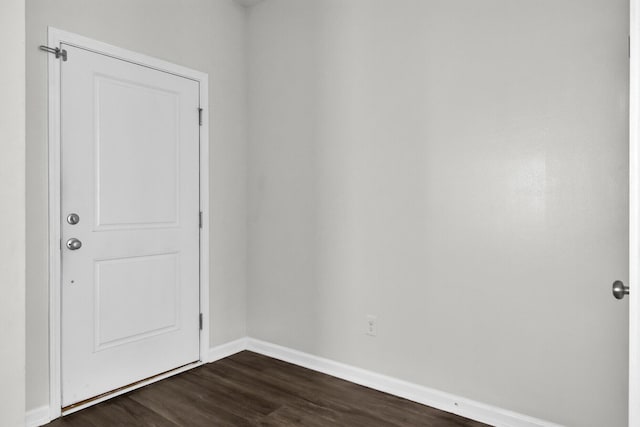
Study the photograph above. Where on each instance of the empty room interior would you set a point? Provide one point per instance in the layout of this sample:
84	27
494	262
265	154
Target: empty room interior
320	212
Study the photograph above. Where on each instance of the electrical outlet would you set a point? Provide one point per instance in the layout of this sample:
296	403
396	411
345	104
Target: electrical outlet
372	326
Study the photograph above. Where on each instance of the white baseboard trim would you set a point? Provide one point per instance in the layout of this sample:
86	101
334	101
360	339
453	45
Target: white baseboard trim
37	417
226	350
427	396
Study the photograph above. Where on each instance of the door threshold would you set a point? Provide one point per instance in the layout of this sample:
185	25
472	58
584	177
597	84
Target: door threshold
75	407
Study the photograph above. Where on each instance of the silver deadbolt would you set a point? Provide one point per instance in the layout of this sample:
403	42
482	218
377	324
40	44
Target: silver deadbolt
619	290
73	218
74	244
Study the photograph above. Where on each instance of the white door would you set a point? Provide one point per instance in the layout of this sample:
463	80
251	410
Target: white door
129	161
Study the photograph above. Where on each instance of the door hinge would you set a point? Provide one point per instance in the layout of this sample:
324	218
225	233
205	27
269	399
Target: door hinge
59	53
200	116
200	219
200	321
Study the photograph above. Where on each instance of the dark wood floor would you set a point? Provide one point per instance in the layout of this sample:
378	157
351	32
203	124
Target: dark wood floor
248	389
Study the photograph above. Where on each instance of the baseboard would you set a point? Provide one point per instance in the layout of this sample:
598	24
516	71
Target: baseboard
226	350
37	417
427	396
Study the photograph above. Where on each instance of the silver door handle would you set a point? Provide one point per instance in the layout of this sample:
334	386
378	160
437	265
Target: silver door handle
74	244
619	290
73	218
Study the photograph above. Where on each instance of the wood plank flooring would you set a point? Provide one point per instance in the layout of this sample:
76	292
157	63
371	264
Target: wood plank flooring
248	389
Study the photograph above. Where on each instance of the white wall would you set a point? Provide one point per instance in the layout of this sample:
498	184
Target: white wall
12	209
459	169
207	35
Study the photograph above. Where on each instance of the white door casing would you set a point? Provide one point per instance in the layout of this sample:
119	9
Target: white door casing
126	149
634	215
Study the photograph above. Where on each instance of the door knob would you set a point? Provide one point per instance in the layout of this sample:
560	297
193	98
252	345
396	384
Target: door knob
74	244
619	290
73	218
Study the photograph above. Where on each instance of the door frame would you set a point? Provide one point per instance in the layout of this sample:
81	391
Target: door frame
634	213
55	38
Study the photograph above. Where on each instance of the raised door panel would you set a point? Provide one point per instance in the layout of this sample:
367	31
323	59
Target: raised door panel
137	155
